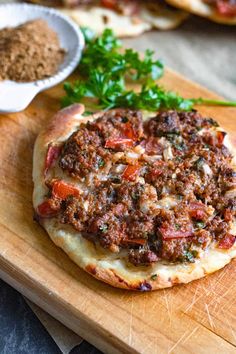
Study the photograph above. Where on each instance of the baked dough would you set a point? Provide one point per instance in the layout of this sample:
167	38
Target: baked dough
104	265
99	18
200	8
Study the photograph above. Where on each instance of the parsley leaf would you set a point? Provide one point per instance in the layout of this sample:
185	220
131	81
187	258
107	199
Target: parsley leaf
189	257
103	228
200	224
104	53
112	94
101	163
105	69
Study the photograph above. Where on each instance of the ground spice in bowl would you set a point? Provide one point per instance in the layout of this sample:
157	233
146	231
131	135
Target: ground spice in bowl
29	52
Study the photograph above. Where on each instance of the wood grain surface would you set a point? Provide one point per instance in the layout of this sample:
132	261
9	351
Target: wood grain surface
194	318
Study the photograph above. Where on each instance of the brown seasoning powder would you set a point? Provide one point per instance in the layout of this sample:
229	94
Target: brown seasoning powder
29	52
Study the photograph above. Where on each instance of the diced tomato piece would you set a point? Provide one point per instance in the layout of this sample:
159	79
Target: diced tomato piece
220	137
131	172
129	132
126	7
217	139
111	4
168	232
45	210
227	242
114	143
63	190
52	155
197	214
197	210
226	8
126	137
137	241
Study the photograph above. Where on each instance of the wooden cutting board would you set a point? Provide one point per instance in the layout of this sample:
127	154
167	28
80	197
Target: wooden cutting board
196	318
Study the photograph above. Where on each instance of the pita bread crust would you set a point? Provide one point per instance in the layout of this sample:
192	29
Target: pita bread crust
111	268
100	18
200	8
164	18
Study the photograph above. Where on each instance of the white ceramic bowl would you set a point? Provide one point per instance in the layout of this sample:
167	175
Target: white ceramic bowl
15	97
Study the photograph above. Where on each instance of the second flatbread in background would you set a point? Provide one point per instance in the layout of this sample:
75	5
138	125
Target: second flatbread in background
218	11
125	18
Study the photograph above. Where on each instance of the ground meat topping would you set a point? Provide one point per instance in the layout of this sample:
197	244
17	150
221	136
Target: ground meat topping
163	189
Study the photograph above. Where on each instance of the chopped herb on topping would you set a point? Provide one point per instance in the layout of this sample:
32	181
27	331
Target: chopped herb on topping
194	253
177	226
189	257
171	135
135	195
125	120
179	147
199	163
101	163
116	180
154	276
206	146
103	228
200	225
178	158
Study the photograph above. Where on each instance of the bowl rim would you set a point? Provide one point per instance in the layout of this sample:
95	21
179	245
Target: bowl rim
62	74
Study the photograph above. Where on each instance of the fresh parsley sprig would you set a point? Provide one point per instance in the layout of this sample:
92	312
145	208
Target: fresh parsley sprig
112	94
104	53
105	69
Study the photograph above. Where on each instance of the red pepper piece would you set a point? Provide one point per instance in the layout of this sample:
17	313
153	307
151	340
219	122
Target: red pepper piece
114	143
168	232
131	172
110	4
52	155
220	137
45	210
63	190
137	241
227	242
197	210
128	131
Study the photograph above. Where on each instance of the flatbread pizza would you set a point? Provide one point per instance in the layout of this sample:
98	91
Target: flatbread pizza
139	202
221	11
125	18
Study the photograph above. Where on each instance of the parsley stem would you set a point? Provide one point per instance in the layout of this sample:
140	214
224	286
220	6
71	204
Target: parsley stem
200	101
